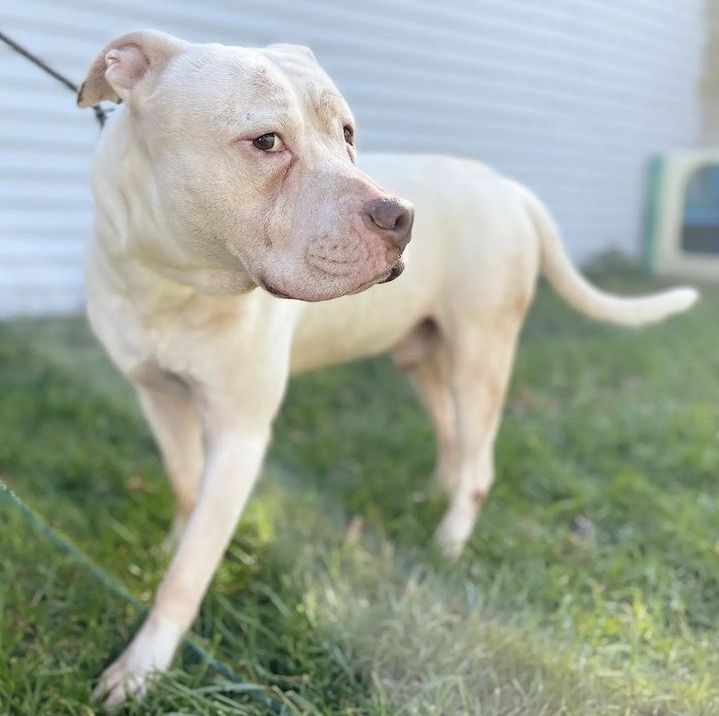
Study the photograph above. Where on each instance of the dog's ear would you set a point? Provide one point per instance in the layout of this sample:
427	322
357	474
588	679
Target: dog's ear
293	49
128	61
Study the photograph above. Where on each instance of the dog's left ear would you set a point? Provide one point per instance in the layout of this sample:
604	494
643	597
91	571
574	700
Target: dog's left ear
128	62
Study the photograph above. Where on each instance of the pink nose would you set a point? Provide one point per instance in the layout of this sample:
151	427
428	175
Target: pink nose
394	217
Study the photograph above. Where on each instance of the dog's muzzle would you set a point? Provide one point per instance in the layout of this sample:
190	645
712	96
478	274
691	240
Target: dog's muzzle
394	272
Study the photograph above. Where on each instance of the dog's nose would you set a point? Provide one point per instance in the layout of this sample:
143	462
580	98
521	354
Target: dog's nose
393	216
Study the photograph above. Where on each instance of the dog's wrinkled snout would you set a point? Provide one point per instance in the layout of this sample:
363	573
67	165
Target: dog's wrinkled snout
394	217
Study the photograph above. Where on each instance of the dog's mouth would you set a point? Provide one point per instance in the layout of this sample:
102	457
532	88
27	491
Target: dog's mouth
394	272
275	292
385	277
396	269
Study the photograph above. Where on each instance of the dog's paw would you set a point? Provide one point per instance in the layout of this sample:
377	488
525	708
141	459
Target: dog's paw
120	682
452	534
148	655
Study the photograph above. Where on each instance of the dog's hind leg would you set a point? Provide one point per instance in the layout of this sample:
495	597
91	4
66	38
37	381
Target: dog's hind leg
424	356
176	427
481	362
432	380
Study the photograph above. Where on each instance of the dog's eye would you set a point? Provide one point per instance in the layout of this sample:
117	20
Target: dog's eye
269	142
349	135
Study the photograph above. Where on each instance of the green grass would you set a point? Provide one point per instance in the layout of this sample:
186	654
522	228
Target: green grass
591	585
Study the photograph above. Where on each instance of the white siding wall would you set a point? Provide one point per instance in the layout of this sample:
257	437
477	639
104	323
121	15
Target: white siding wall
570	96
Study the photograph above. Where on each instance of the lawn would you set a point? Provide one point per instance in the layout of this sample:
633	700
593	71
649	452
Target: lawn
591	585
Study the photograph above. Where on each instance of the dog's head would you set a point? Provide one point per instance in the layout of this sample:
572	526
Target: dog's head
251	154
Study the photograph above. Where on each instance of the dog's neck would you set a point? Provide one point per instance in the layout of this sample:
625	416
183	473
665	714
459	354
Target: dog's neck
122	178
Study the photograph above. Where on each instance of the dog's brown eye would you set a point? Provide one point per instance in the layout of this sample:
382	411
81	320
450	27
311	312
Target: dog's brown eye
266	142
349	135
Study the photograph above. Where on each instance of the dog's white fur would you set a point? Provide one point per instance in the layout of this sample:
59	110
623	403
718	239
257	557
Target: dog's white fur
191	217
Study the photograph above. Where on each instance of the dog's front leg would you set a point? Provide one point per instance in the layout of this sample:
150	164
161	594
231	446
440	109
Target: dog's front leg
235	453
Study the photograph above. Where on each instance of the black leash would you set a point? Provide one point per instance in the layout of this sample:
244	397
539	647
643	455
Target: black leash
100	113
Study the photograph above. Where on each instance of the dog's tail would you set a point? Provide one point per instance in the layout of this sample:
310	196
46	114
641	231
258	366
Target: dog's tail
585	298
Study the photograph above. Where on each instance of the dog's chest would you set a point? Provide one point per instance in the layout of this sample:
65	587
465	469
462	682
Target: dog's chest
137	318
355	326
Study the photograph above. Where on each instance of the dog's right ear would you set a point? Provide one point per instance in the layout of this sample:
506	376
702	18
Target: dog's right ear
130	61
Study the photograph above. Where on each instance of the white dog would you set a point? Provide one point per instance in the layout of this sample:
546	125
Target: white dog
227	185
